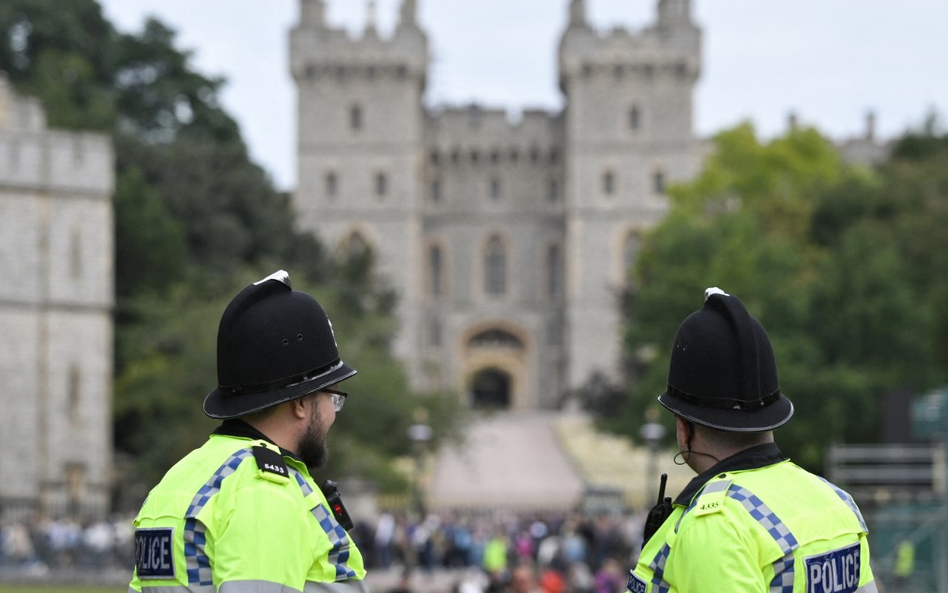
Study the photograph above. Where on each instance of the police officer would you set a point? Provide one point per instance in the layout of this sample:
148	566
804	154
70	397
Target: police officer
751	520
242	513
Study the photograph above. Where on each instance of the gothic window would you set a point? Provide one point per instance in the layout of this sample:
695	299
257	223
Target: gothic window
75	255
630	252
381	184
495	268
332	184
355	246
554	273
73	404
495	338
355	117
658	182
635	118
608	183
495	188
435	271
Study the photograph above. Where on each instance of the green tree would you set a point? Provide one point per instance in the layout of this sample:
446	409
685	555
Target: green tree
196	220
810	246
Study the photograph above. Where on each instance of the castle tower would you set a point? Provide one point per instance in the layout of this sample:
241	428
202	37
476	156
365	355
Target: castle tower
628	133
360	123
56	298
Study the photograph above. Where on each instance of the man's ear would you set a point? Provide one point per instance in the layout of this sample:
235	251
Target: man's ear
686	428
299	406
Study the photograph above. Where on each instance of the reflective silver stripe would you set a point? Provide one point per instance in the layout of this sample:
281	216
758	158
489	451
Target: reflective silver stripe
175	589
845	497
255	587
869	587
350	586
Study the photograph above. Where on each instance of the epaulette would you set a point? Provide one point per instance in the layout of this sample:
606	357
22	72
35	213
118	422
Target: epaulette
711	499
270	463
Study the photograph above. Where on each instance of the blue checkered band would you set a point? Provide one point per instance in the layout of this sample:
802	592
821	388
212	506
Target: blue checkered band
339	554
783	568
849	501
658	571
197	563
304	485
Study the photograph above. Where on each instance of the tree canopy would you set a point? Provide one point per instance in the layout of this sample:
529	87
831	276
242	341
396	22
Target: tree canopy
845	267
196	220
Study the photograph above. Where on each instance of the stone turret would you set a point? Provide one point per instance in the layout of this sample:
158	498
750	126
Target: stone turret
360	133
628	133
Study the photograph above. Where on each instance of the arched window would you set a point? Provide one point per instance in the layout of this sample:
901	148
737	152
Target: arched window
495	188
630	252
355	117
381	184
332	184
554	267
75	253
635	118
495	268
608	183
495	338
434	271
355	246
658	182
73	402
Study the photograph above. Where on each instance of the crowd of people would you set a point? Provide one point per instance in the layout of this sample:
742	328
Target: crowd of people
35	547
544	553
547	553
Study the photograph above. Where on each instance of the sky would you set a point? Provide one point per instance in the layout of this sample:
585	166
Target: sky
830	62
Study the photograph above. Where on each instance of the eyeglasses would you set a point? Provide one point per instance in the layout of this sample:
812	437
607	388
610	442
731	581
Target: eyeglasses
338	397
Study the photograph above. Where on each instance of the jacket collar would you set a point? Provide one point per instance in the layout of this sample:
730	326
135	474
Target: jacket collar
756	457
235	427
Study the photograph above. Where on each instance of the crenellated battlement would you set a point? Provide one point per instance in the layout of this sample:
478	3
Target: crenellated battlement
670	47
320	50
492	130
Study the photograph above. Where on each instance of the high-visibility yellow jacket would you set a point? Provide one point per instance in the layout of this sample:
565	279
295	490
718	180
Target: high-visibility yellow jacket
241	515
758	523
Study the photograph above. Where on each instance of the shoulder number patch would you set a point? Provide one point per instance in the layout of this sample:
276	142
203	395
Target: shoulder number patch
154	553
833	572
271	464
636	584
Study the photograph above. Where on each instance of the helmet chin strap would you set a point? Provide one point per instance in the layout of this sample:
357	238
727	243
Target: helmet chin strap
689	453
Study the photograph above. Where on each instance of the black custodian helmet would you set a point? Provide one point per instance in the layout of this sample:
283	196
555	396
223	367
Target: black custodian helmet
722	372
274	344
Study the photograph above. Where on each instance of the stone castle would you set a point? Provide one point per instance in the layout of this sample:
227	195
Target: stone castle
507	241
56	298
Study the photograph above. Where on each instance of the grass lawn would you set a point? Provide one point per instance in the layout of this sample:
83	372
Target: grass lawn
7	588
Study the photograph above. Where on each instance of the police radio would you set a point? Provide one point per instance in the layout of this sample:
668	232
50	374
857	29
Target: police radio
331	492
659	512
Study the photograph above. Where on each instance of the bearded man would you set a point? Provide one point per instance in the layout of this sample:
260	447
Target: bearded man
242	514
